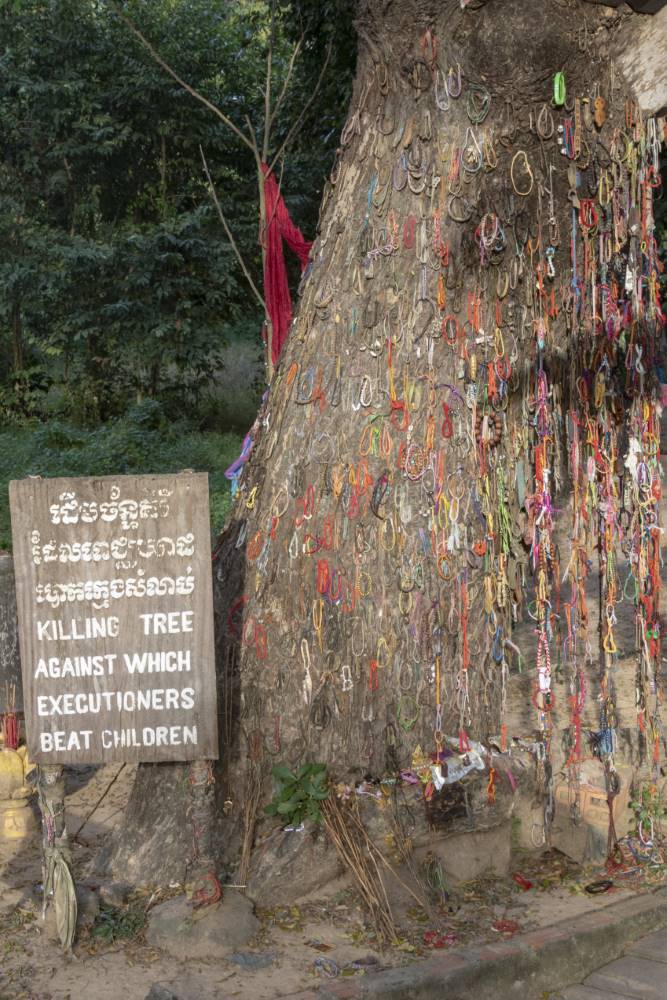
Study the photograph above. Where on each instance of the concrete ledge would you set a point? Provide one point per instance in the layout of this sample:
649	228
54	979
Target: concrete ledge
523	968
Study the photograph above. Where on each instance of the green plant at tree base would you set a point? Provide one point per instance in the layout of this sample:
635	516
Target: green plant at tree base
649	810
118	924
298	796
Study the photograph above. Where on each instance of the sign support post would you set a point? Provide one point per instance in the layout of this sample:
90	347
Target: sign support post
57	883
204	884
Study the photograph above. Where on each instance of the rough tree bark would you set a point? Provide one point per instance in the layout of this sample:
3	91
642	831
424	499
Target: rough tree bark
474	345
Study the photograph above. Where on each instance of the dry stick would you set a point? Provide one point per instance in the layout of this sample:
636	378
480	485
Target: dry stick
384	901
297	124
172	73
264	224
368	884
374	852
369	880
405	851
267	90
288	76
100	800
373	848
250	809
229	233
262	243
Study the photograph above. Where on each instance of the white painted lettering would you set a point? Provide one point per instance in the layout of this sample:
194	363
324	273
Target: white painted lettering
173	622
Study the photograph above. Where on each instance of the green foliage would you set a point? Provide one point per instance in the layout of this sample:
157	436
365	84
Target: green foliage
115	924
116	280
298	796
122	305
142	441
649	808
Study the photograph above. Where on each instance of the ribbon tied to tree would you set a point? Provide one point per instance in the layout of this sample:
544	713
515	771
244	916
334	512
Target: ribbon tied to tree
279	227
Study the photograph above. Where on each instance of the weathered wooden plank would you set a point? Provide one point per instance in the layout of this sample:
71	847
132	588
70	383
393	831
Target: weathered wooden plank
115	610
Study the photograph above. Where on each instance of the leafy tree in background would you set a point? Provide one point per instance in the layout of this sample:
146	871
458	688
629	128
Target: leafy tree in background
116	280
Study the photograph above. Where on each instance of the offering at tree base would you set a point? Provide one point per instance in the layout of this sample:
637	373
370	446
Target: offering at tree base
115	615
16	818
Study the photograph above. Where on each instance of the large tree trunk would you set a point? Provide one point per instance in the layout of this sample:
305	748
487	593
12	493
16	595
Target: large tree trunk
474	345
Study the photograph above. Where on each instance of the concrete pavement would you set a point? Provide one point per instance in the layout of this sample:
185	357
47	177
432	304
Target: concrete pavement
641	974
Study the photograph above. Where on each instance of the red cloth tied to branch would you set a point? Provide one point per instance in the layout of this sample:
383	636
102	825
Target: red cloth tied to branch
279	227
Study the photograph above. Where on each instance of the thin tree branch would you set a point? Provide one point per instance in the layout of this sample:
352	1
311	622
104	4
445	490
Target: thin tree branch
297	124
253	141
230	235
288	77
262	243
267	90
172	73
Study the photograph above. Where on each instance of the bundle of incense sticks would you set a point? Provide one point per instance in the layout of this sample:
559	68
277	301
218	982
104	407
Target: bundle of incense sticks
10	722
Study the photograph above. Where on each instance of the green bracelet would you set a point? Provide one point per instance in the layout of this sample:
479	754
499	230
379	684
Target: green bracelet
559	90
404	706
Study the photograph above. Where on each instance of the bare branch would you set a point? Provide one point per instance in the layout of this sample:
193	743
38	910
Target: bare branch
297	124
253	141
230	235
286	82
267	90
262	242
172	73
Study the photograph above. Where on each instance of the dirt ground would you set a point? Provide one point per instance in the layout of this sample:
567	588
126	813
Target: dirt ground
299	946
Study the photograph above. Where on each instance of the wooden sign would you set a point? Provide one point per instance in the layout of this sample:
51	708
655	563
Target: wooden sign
115	609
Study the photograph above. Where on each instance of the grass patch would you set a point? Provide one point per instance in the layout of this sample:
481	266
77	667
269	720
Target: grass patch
142	441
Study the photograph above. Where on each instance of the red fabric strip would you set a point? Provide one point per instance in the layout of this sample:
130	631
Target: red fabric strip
276	288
